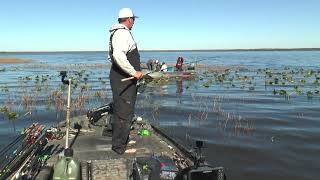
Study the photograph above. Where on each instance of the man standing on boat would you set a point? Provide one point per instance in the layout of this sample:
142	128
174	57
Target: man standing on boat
125	60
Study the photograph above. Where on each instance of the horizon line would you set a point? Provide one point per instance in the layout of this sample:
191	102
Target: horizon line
180	50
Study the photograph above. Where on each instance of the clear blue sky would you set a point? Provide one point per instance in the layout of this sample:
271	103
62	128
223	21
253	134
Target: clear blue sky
62	25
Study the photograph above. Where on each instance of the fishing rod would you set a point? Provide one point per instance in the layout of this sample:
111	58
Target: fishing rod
36	160
196	61
13	168
9	146
25	143
31	158
14	142
161	70
29	162
145	75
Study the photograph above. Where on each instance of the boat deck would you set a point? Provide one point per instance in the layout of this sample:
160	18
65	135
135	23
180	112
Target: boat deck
90	147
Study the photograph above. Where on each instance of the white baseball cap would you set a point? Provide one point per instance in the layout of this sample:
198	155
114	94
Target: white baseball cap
125	13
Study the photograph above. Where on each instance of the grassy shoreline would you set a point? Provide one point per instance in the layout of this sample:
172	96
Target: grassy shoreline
12	60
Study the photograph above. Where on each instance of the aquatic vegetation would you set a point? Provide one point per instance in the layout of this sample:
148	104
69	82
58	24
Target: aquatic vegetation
99	94
298	90
33	91
220	77
302	80
4	109
12	115
4	88
25	101
44	78
213	108
85	87
27	78
283	92
315	83
309	94
80	74
208	83
286	82
57	97
158	81
309	73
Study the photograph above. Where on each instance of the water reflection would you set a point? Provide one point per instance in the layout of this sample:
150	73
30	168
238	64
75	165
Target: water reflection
179	87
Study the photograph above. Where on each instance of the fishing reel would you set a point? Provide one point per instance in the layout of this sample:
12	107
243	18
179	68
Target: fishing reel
141	85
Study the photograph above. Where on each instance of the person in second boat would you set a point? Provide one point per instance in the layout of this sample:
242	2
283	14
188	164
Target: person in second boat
164	67
158	66
179	63
152	64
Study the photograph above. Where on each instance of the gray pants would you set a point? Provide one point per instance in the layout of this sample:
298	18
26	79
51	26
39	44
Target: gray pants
150	66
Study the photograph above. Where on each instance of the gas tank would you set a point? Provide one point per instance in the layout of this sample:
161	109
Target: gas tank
67	168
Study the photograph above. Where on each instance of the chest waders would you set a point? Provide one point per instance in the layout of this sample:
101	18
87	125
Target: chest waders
124	97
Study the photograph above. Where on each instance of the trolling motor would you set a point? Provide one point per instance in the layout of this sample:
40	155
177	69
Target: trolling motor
201	170
63	75
67	167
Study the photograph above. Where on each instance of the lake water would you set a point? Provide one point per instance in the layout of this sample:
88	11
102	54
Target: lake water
259	120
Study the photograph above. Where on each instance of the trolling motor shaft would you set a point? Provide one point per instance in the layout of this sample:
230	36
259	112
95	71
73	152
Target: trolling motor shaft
63	75
67	167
